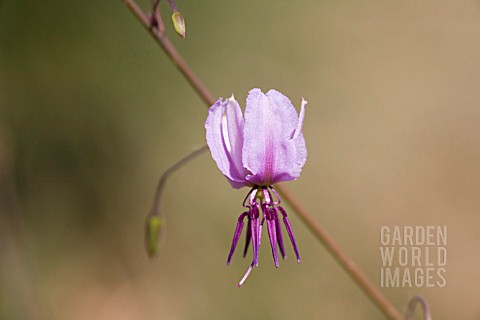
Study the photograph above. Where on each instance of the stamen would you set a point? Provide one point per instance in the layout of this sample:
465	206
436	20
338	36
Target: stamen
276	195
290	232
268	196
248	236
255	235
248	195
236	236
260	228
245	276
253	197
260	198
272	235
279	234
255	230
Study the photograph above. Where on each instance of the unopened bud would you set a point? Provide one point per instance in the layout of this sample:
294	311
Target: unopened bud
178	23
152	235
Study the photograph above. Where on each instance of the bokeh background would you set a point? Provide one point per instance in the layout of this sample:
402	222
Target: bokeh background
92	112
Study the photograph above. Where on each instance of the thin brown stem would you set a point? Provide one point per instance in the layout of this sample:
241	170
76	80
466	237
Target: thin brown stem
307	218
173	5
341	256
155	18
171	52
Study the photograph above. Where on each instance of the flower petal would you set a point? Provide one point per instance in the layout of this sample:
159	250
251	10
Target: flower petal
224	128
300	147
235	125
274	147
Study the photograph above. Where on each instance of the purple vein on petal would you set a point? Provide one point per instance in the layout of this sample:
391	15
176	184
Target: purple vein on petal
269	143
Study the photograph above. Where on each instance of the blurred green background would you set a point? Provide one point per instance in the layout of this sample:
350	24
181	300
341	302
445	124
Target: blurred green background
92	112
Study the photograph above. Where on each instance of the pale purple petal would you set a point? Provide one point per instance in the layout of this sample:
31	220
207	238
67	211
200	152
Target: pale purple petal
224	138
274	148
300	148
301	117
235	125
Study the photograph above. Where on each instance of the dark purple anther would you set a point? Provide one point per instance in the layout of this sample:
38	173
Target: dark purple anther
236	236
279	234
290	232
255	234
272	234
248	236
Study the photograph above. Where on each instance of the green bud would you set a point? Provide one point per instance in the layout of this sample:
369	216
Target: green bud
179	23
152	235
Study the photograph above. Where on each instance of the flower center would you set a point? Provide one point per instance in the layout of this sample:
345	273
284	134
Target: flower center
260	197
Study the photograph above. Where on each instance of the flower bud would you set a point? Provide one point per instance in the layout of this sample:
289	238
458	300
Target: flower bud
152	235
179	23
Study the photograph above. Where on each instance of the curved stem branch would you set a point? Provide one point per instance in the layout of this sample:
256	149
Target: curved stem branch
163	179
307	218
413	304
154	223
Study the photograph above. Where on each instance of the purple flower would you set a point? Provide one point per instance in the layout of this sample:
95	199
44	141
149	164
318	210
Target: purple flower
264	148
